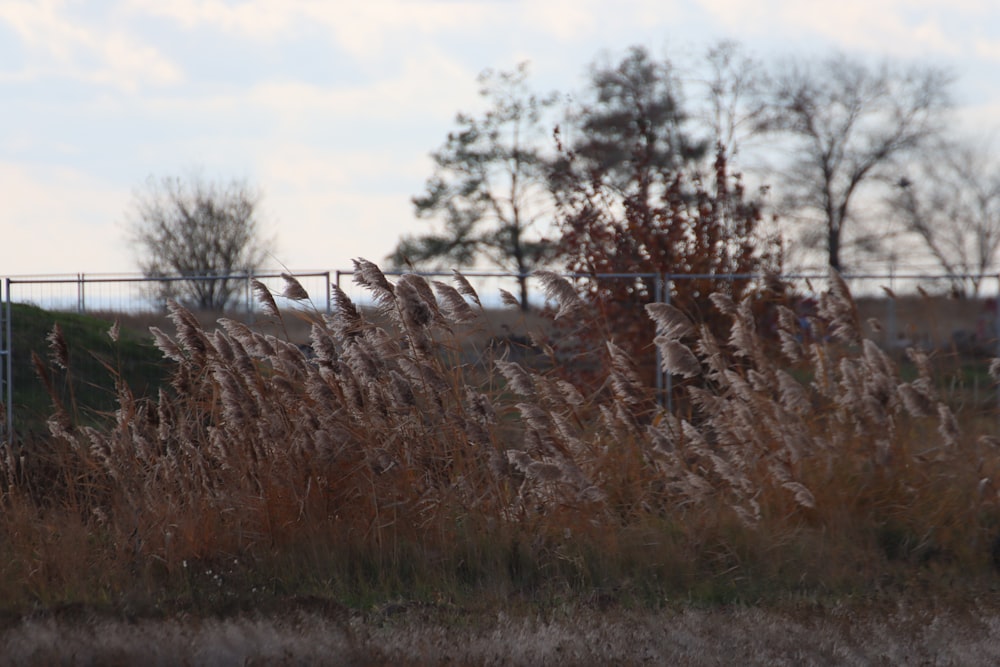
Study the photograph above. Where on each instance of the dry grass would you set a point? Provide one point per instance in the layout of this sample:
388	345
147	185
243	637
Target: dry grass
393	462
898	633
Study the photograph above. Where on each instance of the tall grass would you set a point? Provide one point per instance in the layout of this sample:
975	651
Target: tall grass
387	463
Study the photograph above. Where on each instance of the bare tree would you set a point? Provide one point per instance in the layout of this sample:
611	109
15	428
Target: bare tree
848	122
950	198
733	103
489	185
190	227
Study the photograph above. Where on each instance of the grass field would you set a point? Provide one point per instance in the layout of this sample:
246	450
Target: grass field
412	460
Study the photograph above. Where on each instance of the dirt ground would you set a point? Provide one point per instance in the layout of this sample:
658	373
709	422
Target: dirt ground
802	634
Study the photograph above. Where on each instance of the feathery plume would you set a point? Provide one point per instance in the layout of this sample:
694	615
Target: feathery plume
265	297
362	361
413	308
837	306
724	303
793	394
790	346
787	319
995	369
322	344
803	496
348	323
518	379
948	425
369	276
670	321
189	331
710	352
571	395
561	291
454	303
742	337
293	288
115	331
544	472
221	343
519	459
877	358
167	346
480	407
402	391
465	287
677	358
920	360
625	380
509	299
423	289
58	349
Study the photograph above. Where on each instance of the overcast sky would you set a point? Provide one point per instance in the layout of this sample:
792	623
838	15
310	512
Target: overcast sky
332	107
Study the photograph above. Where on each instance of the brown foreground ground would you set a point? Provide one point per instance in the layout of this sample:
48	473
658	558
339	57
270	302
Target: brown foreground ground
897	633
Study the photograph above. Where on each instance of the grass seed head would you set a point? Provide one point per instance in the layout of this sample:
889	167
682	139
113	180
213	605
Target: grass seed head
266	298
465	288
293	288
677	358
58	349
670	321
561	291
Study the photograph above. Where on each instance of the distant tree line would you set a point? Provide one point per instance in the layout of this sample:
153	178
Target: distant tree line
643	172
857	156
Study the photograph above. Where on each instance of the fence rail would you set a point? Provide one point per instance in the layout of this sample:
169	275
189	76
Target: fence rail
129	294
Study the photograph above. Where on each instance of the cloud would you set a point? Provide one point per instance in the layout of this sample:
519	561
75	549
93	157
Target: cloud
257	18
363	29
61	43
897	27
429	84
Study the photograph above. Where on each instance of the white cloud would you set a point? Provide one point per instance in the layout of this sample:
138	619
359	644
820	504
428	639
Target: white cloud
62	44
896	27
429	84
363	29
257	18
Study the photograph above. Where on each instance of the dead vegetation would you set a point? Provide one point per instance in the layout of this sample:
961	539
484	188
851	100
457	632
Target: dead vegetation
387	464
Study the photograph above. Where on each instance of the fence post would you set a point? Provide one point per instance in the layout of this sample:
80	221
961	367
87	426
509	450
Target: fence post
7	370
658	371
80	300
892	332
667	289
328	295
248	282
996	335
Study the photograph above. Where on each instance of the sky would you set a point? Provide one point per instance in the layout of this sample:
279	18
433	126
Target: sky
332	107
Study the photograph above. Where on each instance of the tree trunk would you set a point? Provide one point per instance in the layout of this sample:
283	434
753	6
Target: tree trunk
833	247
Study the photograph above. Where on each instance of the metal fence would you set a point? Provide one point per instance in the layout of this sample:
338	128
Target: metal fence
905	318
111	296
6	367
